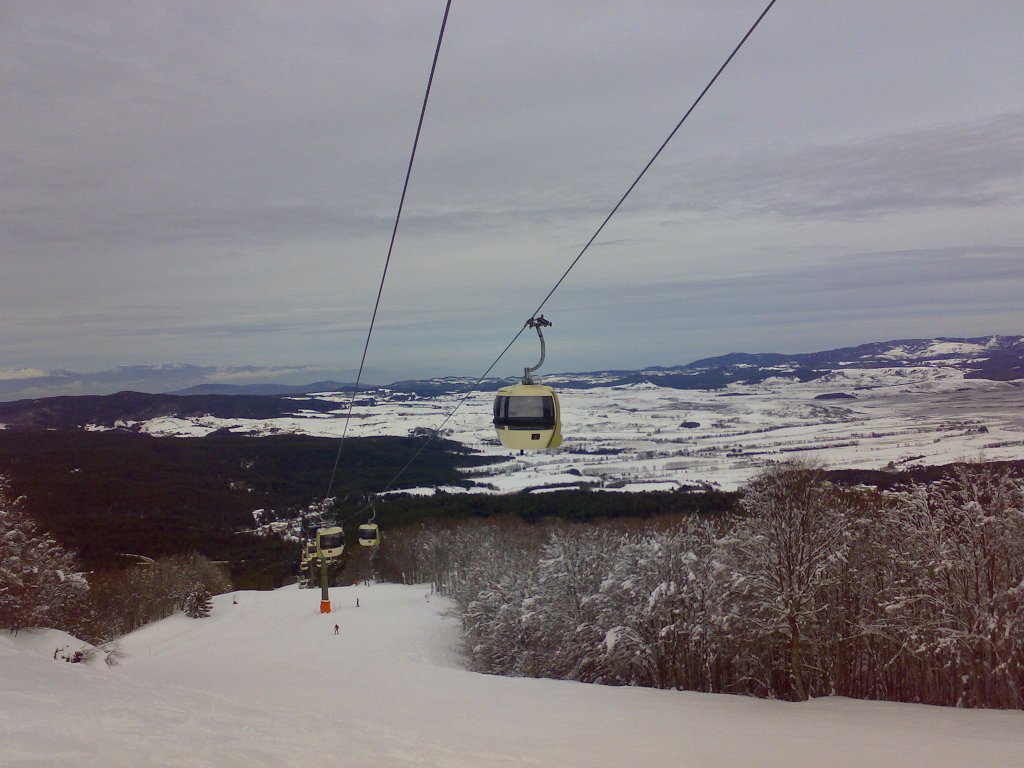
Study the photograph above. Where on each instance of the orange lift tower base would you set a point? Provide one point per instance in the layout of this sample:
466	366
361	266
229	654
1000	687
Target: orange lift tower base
325	597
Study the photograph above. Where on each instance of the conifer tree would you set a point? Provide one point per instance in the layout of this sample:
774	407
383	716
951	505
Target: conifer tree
197	603
40	584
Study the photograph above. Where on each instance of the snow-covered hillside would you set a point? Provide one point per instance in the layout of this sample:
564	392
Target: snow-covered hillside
717	421
265	682
643	436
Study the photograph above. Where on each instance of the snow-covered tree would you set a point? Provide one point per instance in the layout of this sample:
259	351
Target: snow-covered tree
40	583
197	603
956	597
493	625
661	606
561	615
127	600
852	655
785	555
491	573
915	595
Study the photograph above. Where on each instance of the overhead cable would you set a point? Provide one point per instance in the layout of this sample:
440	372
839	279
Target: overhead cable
391	246
589	242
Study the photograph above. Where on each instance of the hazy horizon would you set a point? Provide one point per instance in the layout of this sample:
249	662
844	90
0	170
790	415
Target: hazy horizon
22	383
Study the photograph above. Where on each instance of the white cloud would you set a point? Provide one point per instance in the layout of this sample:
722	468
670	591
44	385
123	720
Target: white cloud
249	375
11	374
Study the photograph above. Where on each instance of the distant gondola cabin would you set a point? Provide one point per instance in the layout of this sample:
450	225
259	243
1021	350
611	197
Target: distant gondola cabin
369	534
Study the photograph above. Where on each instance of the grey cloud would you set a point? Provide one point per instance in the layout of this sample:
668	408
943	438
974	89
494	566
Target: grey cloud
951	166
841	301
210	183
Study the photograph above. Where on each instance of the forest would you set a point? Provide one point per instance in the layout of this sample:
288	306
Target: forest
43	584
106	494
810	589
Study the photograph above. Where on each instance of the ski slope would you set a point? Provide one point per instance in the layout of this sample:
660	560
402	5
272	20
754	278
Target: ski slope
265	682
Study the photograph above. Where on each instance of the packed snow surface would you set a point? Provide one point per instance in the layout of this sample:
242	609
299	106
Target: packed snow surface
266	682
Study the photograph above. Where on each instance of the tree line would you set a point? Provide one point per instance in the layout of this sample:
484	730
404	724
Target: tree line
42	583
913	595
103	494
807	589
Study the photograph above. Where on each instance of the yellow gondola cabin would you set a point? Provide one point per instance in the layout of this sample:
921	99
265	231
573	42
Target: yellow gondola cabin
527	417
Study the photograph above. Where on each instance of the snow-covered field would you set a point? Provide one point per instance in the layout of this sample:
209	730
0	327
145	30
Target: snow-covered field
267	683
633	437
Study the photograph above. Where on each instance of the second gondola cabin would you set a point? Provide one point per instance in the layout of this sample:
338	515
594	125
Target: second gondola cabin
330	542
369	534
527	417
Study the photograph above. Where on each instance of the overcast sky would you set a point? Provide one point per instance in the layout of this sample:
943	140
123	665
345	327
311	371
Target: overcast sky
216	182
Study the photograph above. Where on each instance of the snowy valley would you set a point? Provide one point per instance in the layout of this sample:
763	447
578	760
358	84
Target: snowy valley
896	405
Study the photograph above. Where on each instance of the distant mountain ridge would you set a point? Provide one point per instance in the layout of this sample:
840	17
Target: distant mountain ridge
264	389
997	358
178	378
972	352
110	411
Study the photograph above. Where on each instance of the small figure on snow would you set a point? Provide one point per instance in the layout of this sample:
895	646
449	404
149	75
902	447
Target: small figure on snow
335	629
357	602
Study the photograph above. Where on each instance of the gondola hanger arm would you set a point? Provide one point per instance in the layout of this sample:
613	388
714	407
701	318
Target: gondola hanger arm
536	323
